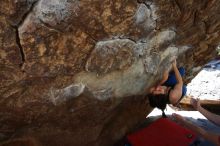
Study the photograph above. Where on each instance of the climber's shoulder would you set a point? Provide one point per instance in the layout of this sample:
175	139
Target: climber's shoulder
175	94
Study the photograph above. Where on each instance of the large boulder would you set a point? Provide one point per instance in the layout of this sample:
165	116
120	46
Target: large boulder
76	72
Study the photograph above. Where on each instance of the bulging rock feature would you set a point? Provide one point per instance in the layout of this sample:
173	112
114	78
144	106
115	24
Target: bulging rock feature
63	95
145	16
112	55
116	84
76	72
119	54
162	37
152	63
56	12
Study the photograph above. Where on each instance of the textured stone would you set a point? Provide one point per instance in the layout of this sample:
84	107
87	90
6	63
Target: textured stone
112	55
76	72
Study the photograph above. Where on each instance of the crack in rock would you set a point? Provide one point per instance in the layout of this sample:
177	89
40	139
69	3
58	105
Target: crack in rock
18	41
16	27
33	4
50	13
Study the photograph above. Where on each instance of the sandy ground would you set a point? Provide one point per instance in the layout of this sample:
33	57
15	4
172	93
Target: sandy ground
206	85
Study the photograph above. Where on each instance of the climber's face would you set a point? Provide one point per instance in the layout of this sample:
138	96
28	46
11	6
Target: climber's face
158	90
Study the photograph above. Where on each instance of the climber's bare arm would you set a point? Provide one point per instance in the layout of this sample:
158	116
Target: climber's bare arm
176	92
210	116
177	73
165	77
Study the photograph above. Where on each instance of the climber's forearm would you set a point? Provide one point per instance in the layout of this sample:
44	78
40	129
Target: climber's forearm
210	116
178	76
165	77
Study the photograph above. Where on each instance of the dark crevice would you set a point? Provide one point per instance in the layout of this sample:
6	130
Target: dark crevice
148	6
132	40
178	5
194	17
27	13
18	42
94	40
145	3
20	47
16	28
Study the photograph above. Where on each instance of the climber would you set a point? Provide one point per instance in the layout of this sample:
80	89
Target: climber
170	90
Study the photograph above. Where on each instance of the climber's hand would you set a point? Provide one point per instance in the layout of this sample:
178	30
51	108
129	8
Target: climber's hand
174	63
195	103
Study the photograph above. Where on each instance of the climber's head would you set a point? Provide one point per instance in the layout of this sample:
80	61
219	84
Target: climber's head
158	90
158	97
158	100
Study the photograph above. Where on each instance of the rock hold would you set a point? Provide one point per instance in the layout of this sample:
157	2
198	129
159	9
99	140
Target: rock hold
59	96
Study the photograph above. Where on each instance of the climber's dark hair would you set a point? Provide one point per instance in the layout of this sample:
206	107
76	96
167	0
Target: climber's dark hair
159	100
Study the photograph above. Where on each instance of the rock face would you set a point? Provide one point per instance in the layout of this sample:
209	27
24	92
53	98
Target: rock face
76	72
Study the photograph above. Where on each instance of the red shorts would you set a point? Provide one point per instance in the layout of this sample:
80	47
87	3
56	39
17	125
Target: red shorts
219	139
